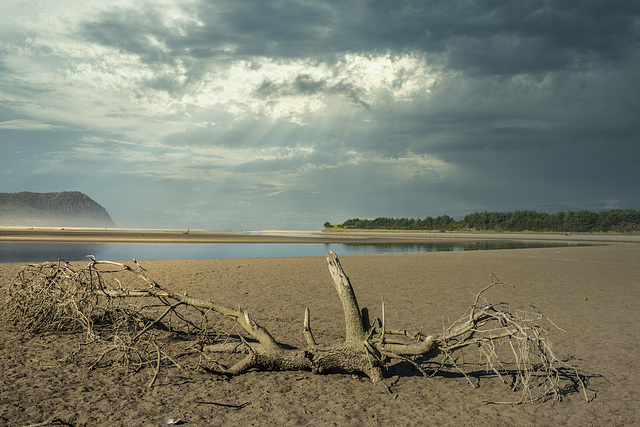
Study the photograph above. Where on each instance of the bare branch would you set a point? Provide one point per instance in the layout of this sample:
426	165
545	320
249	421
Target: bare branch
306	330
126	325
355	328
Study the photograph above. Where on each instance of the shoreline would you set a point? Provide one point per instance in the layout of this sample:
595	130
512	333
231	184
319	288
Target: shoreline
114	235
589	291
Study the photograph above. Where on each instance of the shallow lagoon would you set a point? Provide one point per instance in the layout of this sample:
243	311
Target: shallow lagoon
39	252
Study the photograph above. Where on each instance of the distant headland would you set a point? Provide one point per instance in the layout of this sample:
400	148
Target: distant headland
61	209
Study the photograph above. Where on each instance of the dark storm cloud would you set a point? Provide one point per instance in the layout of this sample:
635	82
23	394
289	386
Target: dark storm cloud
381	108
129	30
503	37
238	28
480	38
282	28
494	37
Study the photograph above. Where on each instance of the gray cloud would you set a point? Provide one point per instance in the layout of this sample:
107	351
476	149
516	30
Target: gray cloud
486	36
231	113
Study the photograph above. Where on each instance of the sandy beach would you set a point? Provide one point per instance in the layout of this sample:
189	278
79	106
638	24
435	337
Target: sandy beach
592	292
118	235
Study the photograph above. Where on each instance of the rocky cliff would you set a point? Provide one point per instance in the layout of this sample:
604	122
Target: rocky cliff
67	208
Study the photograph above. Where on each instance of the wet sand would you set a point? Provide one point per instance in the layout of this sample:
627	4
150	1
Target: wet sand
592	292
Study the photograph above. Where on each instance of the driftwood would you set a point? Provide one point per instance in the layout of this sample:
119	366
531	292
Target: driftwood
127	325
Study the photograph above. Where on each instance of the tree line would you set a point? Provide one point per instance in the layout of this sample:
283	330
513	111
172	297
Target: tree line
582	221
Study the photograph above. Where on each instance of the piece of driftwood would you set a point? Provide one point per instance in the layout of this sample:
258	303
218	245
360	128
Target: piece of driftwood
127	323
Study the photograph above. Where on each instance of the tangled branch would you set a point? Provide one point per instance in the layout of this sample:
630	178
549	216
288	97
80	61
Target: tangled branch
132	321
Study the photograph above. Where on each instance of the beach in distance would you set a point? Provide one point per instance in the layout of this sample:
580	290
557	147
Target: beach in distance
591	292
130	235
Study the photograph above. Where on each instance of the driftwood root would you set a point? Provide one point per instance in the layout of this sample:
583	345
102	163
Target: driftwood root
135	322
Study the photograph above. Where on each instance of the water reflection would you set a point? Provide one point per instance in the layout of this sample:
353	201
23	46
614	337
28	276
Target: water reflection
39	252
357	248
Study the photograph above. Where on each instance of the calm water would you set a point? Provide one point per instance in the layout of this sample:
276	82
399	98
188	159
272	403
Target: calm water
39	252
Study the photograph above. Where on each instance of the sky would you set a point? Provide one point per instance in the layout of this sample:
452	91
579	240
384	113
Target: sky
286	114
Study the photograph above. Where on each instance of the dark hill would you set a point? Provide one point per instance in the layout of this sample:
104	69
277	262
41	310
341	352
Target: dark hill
66	208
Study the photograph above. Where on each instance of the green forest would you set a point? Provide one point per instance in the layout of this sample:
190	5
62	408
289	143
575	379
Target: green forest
616	220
